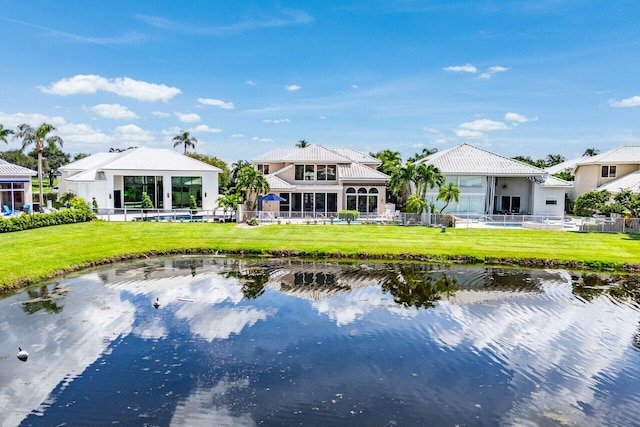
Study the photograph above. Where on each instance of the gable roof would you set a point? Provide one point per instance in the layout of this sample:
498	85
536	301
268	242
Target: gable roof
7	169
276	183
140	159
628	182
465	159
315	153
622	154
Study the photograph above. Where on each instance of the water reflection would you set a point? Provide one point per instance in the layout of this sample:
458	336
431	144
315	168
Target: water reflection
246	342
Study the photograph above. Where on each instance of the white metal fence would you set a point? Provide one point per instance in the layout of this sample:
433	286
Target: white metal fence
538	222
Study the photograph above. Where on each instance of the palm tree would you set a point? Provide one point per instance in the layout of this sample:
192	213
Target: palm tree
426	152
4	133
391	161
229	202
37	136
185	139
448	193
416	204
427	176
302	144
554	159
401	180
251	182
591	152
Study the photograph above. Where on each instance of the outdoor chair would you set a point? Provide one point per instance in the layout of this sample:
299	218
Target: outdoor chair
6	211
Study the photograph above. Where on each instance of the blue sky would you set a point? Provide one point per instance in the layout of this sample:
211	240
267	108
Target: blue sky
513	77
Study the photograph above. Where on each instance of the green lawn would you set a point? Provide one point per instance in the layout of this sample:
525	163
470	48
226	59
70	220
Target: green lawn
31	255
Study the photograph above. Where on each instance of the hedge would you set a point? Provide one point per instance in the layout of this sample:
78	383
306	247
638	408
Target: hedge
38	220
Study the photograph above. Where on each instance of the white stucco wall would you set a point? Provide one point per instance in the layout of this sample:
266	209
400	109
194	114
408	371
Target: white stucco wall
540	195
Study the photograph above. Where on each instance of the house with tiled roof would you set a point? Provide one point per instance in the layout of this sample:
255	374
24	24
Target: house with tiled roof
321	181
615	170
15	185
490	183
117	180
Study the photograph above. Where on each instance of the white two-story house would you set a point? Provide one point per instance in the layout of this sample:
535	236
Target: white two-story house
493	184
321	181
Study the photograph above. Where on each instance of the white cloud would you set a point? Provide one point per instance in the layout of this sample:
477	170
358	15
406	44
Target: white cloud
123	86
519	118
322	117
468	133
275	121
82	134
12	120
236	135
255	138
467	68
188	117
172	131
430	130
217	103
483	125
440	141
113	111
250	83
493	70
355	87
132	133
205	128
634	101
161	114
418	145
293	88
476	128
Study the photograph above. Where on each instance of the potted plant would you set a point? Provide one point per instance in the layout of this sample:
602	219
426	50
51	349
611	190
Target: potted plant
193	205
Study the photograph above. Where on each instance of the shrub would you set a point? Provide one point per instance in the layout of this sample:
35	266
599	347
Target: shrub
253	221
591	203
80	212
348	215
146	201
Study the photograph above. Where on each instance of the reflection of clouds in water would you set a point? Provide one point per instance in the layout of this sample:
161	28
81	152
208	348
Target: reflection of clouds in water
573	343
347	308
197	300
151	328
201	408
219	322
60	346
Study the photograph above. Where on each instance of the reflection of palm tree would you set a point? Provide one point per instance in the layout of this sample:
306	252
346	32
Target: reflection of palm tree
411	286
41	299
253	283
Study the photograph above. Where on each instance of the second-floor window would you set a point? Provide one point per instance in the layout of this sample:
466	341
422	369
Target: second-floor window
264	169
608	172
315	173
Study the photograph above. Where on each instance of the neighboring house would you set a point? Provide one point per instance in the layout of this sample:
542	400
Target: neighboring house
15	185
317	180
117	180
614	170
490	183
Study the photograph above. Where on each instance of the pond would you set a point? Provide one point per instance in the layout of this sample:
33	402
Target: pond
243	342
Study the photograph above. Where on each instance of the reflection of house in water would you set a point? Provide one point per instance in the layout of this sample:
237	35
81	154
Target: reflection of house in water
459	285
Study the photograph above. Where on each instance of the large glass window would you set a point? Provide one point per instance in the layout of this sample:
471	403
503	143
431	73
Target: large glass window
264	169
12	194
296	202
284	205
470	181
182	188
134	186
326	173
362	200
307	200
332	202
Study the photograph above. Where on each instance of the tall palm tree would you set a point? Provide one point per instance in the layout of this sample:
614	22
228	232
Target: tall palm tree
251	183
229	202
426	152
185	139
4	133
401	180
37	136
391	161
448	193
302	143
427	176
591	152
554	159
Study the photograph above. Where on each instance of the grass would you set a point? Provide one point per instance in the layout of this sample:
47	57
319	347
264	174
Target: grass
32	255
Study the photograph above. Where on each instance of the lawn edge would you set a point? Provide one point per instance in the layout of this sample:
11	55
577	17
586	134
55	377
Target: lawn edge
596	266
